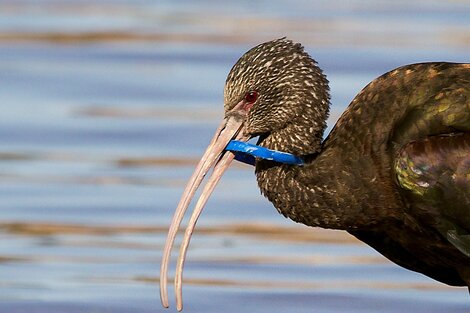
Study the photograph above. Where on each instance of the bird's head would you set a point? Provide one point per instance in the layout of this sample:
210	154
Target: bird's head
278	93
275	91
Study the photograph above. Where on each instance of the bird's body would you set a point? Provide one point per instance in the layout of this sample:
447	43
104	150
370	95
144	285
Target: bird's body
367	179
394	171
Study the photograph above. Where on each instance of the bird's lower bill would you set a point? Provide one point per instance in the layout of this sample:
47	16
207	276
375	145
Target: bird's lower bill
214	157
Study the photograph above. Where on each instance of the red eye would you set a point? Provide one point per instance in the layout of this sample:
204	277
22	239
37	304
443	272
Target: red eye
251	97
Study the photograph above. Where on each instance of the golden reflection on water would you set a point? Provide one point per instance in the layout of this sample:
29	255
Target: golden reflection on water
459	38
101	236
159	113
307	285
93	236
259	231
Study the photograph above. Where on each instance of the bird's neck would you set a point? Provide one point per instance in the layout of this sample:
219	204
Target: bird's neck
324	192
321	193
305	194
301	193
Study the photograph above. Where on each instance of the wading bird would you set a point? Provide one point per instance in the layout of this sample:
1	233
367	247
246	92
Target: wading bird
394	171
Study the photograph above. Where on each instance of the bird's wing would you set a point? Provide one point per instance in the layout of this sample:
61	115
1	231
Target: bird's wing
434	176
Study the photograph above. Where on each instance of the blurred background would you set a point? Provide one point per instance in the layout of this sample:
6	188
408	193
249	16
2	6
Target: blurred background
106	105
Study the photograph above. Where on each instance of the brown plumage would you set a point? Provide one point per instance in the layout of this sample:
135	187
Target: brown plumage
394	171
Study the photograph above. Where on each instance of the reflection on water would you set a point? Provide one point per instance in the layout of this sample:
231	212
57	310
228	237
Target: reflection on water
106	106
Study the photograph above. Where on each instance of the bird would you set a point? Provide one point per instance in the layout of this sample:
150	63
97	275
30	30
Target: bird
394	171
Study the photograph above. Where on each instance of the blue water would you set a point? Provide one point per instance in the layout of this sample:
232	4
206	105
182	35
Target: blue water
105	108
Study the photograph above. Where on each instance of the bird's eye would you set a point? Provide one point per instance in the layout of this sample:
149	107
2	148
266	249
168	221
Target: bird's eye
251	96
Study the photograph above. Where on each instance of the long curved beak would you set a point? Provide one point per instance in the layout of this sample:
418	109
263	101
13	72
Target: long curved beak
215	156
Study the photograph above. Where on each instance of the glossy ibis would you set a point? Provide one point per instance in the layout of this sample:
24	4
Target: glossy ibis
394	171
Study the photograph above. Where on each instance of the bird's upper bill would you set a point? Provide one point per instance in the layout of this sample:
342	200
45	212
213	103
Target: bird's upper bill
232	127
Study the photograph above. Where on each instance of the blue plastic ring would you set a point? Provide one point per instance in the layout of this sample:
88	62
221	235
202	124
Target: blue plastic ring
247	152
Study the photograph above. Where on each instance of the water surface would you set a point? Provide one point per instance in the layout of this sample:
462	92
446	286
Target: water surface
105	108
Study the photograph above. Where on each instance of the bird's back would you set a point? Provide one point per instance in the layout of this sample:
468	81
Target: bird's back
406	104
